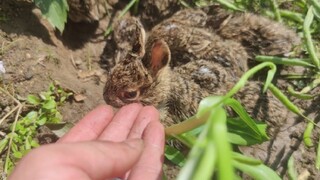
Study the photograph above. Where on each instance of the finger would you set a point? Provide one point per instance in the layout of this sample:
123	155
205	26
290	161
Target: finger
91	126
81	160
150	164
120	126
146	115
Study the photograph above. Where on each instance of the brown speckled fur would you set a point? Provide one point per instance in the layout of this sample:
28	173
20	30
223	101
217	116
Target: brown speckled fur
87	10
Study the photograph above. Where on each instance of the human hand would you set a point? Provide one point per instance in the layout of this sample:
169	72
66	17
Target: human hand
129	144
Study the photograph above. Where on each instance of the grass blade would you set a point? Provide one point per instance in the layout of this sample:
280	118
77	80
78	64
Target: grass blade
256	171
284	61
307	134
284	100
229	5
292	173
174	155
299	95
316	5
307	35
318	156
276	10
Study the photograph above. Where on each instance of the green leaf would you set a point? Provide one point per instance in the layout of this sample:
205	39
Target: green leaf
3	144
292	173
34	143
241	134
17	154
174	155
285	61
50	104
307	134
55	11
308	39
42	121
34	100
258	134
32	116
28	143
256	171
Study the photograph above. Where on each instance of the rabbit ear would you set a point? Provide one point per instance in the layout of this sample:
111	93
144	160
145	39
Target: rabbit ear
139	47
129	35
160	56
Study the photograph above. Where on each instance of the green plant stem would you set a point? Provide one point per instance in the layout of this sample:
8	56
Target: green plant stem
276	10
318	156
311	86
224	152
285	61
249	74
299	95
316	5
136	7
292	174
229	5
307	134
286	102
307	35
292	15
185	126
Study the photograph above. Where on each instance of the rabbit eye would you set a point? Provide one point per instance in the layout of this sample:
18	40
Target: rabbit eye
130	95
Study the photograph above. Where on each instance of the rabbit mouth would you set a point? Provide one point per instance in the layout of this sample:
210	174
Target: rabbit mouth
115	103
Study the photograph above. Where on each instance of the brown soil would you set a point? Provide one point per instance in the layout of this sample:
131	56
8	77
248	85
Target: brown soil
34	55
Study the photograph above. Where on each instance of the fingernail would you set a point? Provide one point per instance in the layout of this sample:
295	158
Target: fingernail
134	143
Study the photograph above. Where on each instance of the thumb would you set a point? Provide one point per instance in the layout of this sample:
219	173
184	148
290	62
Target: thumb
81	160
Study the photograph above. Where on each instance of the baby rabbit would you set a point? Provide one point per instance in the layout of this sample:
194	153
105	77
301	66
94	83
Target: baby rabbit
87	10
258	34
189	30
151	81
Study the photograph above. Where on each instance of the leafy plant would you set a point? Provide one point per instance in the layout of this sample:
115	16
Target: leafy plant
55	11
212	151
42	109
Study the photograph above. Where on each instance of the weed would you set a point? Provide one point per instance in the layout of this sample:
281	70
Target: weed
21	137
55	11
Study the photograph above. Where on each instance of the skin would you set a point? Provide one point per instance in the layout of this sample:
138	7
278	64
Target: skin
103	145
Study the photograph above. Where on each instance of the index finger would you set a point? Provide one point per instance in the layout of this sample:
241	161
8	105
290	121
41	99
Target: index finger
91	126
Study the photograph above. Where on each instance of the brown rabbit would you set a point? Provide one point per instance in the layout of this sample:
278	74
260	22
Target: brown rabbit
258	34
87	10
189	41
151	81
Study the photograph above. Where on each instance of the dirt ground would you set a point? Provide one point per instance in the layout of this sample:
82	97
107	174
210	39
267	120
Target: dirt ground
34	55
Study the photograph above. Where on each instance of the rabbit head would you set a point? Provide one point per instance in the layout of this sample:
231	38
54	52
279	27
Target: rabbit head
144	80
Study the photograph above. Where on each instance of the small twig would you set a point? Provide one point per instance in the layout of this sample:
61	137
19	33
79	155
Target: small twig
73	62
13	98
11	138
8	114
